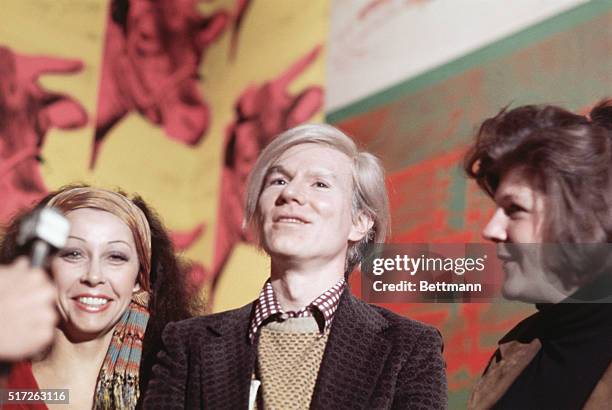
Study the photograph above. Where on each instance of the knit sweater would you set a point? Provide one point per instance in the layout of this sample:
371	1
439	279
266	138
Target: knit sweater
288	360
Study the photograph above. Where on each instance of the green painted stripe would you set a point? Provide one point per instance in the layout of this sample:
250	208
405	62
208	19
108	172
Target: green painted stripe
533	34
457	201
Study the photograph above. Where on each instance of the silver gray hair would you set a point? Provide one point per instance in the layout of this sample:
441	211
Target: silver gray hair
369	190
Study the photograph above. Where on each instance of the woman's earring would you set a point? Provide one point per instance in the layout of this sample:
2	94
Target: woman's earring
141	297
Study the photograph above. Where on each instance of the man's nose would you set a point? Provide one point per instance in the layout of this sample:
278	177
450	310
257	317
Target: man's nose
293	192
496	228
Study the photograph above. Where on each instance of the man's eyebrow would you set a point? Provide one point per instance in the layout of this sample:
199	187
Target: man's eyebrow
324	174
312	174
278	169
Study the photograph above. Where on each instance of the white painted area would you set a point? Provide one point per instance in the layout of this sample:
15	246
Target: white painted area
399	39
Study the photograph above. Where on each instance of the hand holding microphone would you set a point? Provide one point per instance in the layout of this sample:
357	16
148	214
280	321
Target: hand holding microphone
27	296
27	309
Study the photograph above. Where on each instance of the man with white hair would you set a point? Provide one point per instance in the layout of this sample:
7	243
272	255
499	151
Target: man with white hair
315	202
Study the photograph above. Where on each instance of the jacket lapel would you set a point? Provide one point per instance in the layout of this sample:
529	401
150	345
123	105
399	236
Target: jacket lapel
227	361
354	357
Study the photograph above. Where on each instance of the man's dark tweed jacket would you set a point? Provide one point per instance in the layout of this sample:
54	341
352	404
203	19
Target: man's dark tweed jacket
374	359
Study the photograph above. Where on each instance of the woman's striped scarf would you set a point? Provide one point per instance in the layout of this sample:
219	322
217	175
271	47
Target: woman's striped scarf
117	386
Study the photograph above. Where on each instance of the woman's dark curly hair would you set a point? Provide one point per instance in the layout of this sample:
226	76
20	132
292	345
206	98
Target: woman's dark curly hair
567	157
171	299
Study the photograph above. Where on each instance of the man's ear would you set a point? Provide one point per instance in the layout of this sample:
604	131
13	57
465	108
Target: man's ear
360	227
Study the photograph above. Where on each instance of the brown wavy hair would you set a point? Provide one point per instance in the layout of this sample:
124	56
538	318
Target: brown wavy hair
567	157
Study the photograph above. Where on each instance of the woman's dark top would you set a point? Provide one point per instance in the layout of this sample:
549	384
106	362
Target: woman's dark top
576	350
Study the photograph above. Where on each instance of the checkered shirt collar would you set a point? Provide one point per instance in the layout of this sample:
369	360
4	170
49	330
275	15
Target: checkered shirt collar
322	308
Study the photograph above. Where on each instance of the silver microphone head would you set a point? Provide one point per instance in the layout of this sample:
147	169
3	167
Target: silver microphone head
46	228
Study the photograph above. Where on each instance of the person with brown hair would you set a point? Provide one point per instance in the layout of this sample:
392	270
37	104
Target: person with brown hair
314	202
549	172
118	283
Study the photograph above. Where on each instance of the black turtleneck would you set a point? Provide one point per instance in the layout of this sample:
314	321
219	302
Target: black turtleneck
576	351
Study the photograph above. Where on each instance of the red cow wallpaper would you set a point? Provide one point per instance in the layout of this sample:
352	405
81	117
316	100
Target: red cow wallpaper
150	65
27	112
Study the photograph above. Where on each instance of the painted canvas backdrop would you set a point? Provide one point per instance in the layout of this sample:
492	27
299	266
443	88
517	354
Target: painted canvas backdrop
172	100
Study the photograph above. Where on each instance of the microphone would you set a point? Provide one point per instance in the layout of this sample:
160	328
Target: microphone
44	231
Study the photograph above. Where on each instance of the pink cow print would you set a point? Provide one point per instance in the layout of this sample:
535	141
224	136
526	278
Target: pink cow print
27	113
152	53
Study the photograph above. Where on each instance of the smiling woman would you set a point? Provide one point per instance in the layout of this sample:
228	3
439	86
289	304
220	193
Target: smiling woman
95	273
118	283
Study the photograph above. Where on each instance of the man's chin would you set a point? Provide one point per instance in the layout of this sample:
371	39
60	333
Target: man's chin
286	252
